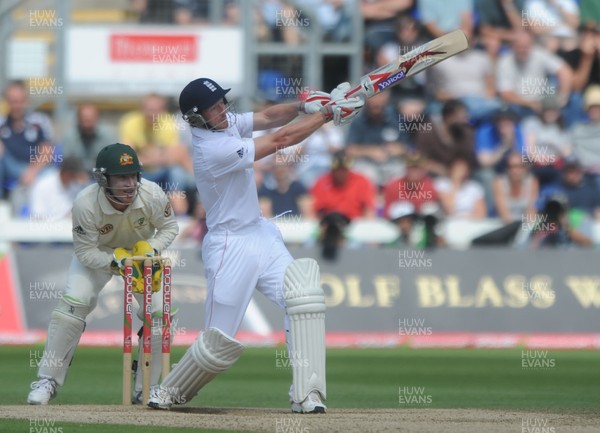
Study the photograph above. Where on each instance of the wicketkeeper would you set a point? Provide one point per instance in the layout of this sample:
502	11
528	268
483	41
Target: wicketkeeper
121	215
242	250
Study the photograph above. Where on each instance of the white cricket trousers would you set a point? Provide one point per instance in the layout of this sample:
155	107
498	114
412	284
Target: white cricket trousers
238	262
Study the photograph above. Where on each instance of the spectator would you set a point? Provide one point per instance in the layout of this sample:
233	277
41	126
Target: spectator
195	229
185	12
416	187
440	142
554	18
339	197
440	17
334	17
24	147
523	76
374	140
585	135
153	11
85	139
52	193
287	195
494	141
411	120
584	60
344	191
581	192
468	77
547	142
315	153
17	100
191	11
589	13
154	135
409	36
379	16
515	192
499	19
460	196
283	21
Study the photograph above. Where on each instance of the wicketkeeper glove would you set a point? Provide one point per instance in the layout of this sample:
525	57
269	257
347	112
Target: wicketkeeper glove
341	109
143	248
117	265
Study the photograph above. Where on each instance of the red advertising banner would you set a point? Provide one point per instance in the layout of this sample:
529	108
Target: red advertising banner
157	48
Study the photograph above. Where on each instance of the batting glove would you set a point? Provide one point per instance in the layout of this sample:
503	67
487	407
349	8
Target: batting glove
314	102
341	109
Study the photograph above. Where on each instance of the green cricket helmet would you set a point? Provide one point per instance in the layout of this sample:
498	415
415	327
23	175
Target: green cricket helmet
117	158
113	160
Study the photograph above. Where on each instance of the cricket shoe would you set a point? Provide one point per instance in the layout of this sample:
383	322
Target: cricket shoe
42	391
312	404
159	398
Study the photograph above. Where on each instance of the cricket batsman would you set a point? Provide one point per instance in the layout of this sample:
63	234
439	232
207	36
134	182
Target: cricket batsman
242	250
118	216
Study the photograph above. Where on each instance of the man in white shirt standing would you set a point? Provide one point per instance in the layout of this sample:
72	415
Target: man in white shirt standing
242	250
119	215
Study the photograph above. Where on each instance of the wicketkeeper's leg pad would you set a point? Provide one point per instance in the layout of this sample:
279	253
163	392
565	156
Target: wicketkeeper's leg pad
67	323
305	306
212	353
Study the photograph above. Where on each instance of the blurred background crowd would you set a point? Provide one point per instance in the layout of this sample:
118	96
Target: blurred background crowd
507	131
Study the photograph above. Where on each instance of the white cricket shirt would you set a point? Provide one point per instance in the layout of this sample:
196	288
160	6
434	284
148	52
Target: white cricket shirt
98	228
223	162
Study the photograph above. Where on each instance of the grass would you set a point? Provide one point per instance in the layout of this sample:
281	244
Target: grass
23	426
359	378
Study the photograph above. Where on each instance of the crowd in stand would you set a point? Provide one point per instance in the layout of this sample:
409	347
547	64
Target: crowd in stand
509	129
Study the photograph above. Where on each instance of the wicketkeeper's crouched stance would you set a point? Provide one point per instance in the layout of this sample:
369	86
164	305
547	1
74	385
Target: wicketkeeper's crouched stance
243	251
121	215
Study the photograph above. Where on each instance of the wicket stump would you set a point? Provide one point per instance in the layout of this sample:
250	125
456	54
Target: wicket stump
147	324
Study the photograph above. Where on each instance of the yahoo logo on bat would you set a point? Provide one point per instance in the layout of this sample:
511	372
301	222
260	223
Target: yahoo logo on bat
391	80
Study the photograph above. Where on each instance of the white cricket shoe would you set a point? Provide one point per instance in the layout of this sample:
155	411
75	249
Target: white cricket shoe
42	391
159	398
312	404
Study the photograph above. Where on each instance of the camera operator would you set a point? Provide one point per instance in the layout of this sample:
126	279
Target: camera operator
557	226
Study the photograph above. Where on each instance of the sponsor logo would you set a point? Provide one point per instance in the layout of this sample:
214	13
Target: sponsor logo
168	210
79	230
391	80
105	229
240	152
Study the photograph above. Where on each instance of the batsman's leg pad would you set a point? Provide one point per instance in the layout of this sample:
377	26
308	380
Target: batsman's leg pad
212	353
67	323
305	306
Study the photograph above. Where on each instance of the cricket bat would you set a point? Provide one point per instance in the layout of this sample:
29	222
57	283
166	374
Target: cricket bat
411	63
